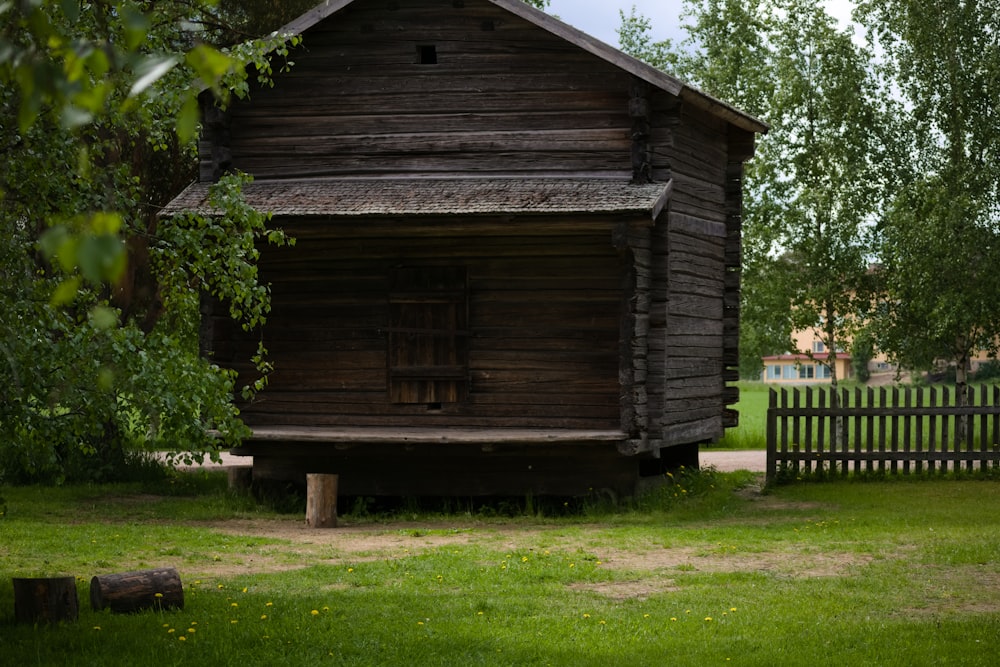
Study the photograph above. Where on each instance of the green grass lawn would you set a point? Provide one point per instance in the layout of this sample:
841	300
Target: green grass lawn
752	430
707	571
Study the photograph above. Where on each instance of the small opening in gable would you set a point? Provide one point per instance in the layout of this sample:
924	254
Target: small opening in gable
433	407
427	54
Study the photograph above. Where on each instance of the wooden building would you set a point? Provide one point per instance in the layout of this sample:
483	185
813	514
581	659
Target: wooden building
517	259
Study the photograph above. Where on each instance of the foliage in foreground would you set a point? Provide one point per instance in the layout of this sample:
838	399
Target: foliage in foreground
99	300
890	574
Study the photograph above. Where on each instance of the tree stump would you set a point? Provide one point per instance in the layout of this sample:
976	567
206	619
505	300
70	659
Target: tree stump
45	600
321	501
135	591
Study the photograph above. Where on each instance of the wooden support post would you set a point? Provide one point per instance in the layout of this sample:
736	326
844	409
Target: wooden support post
134	591
45	600
240	477
321	501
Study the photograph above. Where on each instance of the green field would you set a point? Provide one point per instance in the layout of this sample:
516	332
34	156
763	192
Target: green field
706	571
751	432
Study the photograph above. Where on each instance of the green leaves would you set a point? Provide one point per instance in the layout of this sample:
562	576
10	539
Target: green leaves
149	70
89	246
942	224
99	352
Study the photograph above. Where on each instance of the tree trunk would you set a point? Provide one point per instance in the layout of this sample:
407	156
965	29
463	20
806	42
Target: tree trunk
961	397
47	600
134	591
839	429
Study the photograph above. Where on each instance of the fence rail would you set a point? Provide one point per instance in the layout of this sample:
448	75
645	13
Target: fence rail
899	430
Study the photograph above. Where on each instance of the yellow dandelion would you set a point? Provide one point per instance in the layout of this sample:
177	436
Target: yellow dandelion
603	622
158	595
350	569
673	618
524	559
244	589
171	631
572	564
269	604
182	638
233	622
479	613
97	627
221	587
315	612
420	622
732	609
166	625
263	617
234	605
708	619
191	631
586	615
645	615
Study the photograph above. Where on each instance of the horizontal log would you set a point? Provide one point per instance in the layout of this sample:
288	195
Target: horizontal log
134	591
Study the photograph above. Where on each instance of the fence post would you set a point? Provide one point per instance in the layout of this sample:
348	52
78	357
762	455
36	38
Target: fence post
772	436
984	423
907	423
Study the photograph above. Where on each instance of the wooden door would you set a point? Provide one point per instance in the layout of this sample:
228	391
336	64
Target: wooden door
428	338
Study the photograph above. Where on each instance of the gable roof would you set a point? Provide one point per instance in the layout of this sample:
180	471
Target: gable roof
592	45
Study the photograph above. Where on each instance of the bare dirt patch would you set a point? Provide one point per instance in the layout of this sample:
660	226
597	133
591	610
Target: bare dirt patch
637	589
298	546
791	563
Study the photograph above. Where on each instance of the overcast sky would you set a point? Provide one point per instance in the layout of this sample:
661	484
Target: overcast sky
600	18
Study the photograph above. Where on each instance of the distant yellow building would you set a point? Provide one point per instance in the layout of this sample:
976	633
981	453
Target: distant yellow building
799	367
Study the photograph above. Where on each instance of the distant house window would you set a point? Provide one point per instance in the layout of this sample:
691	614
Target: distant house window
823	372
428	350
789	373
774	372
807	372
818	347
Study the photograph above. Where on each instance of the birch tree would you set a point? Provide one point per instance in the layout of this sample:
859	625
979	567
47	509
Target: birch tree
811	189
940	240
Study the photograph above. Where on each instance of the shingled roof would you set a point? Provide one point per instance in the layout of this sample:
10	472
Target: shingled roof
436	197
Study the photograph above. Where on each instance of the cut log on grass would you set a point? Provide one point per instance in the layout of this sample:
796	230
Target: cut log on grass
45	600
321	501
134	591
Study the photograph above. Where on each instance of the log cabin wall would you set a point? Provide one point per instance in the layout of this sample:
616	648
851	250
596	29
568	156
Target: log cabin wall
431	87
696	273
542	329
